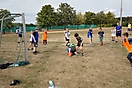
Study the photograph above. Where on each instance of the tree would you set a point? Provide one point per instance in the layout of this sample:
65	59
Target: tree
67	14
89	17
6	23
101	18
46	17
110	18
79	18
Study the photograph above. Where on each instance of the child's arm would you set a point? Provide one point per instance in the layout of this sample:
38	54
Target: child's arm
34	39
82	42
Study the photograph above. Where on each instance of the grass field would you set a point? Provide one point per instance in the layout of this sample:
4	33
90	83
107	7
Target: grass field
101	67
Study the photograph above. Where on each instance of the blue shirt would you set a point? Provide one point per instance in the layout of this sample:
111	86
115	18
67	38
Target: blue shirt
89	32
20	31
36	36
118	29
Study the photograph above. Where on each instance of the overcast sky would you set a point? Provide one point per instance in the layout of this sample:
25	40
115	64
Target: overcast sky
32	7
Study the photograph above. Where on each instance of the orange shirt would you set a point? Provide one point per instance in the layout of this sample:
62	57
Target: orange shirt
44	35
127	45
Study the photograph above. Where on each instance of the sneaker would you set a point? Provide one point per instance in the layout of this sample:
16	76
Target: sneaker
18	42
31	48
76	53
82	54
28	49
34	53
116	41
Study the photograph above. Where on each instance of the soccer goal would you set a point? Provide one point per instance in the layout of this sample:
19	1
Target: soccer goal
10	50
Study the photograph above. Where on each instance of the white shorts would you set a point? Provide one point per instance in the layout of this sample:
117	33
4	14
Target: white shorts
113	35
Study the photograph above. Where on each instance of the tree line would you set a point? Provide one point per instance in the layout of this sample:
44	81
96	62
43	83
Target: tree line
65	14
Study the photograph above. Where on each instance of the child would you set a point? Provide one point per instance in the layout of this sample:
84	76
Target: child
19	33
89	34
32	40
71	49
79	42
118	31
44	36
67	35
101	35
113	34
127	42
36	36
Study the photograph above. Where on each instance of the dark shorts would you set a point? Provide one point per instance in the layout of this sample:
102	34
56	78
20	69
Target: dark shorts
20	35
66	39
31	42
129	57
128	29
44	41
36	44
118	34
79	44
73	49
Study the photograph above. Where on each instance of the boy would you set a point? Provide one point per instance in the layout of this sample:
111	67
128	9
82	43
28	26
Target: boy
67	35
71	49
79	42
127	42
101	35
32	41
19	31
118	31
44	36
89	34
36	36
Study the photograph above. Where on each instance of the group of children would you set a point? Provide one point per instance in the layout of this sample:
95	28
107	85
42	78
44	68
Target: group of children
116	32
34	36
71	48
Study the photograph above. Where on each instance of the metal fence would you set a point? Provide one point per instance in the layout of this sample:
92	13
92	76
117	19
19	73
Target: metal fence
71	27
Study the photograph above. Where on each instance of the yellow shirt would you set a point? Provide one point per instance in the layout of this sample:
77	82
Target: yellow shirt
129	25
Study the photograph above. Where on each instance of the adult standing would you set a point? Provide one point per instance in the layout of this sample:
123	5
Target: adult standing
118	31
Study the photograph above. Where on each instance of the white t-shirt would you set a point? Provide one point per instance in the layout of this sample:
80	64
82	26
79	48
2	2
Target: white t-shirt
31	37
67	34
113	32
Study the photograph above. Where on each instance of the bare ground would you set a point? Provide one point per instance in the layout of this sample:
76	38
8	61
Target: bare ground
101	67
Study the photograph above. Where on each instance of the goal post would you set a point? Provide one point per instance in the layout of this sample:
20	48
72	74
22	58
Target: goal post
12	16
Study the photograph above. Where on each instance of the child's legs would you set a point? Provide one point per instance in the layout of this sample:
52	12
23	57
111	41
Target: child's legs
35	46
30	45
77	48
81	48
129	57
44	42
90	40
101	39
116	38
19	37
